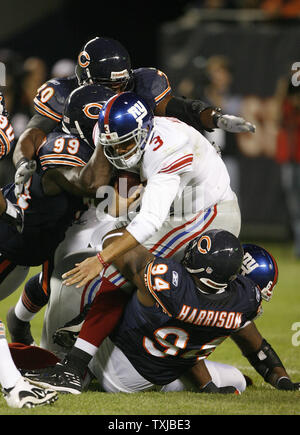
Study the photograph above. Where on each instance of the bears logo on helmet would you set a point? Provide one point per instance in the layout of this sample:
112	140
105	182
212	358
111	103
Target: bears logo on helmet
215	257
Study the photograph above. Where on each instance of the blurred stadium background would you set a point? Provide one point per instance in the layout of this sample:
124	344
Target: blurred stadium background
235	54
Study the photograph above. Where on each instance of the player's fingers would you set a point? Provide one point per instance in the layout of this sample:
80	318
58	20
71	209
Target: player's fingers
70	272
247	127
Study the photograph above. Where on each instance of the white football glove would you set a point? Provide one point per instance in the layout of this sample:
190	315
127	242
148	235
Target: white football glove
234	124
25	169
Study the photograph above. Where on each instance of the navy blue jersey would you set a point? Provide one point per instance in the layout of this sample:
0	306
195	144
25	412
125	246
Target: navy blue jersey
149	83
46	218
185	325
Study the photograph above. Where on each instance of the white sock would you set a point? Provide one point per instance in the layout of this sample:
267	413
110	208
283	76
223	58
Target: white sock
9	374
86	346
22	313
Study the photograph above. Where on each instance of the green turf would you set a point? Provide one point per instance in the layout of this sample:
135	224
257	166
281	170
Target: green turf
261	399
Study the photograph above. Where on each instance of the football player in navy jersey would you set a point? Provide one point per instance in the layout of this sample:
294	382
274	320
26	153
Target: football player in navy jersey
105	61
178	316
49	203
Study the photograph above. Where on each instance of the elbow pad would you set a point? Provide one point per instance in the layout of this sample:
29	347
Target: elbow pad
187	110
264	360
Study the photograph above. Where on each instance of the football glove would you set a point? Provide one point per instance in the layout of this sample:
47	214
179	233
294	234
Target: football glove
211	387
233	124
287	385
24	170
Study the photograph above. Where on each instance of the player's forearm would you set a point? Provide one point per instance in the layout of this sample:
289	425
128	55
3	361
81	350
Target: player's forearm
260	354
118	247
193	112
28	143
96	173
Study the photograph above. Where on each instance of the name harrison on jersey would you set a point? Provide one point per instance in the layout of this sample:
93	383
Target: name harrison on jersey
218	319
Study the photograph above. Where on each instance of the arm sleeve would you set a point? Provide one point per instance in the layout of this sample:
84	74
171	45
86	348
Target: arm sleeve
158	197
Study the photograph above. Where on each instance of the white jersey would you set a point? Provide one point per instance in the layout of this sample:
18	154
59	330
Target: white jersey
184	175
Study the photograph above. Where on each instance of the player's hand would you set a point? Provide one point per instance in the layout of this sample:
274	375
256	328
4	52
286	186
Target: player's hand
24	170
235	124
211	388
83	272
287	385
120	205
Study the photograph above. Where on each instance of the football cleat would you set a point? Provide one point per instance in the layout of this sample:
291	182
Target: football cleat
26	395
19	331
67	335
62	377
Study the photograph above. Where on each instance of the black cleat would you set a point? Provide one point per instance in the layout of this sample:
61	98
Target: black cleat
62	377
67	335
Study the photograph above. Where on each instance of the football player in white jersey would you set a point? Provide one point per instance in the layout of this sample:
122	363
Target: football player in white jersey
177	163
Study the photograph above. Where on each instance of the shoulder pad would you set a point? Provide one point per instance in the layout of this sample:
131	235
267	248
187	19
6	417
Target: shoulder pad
162	279
51	97
63	149
6	136
151	84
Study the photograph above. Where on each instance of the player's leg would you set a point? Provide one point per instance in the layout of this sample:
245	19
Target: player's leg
65	303
222	375
18	392
34	297
114	371
11	277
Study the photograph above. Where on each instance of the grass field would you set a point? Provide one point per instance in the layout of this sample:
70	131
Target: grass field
260	399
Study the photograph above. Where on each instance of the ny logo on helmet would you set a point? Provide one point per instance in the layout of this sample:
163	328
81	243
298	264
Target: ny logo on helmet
249	264
138	111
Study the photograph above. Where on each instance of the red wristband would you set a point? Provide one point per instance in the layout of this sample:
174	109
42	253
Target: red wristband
99	256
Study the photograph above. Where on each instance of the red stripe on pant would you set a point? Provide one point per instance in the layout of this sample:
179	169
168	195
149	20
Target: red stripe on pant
105	313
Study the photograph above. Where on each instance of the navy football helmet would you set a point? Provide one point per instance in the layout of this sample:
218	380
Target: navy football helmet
215	257
82	110
104	61
260	266
125	127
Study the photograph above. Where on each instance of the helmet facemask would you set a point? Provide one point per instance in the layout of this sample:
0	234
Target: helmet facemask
111	141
